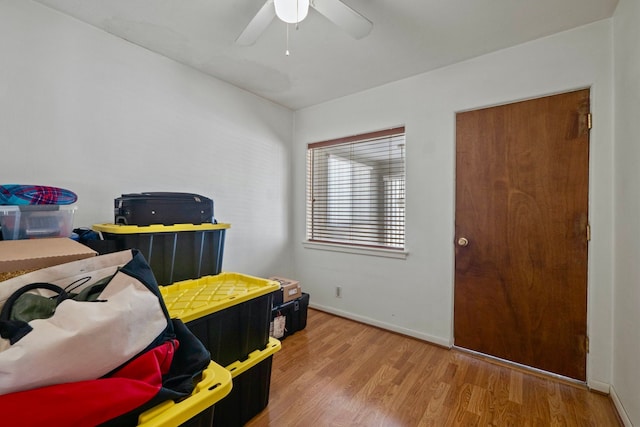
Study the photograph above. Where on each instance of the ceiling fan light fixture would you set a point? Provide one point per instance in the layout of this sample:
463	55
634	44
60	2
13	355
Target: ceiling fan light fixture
291	11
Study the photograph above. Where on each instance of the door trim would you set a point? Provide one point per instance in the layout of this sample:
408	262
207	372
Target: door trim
598	386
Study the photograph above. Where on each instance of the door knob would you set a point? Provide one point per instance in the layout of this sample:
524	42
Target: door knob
462	241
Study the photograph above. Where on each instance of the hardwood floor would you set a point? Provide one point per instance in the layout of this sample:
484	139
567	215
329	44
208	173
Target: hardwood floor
337	372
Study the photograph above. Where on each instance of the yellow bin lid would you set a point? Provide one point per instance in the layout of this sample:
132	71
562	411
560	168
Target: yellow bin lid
192	299
216	383
157	228
255	357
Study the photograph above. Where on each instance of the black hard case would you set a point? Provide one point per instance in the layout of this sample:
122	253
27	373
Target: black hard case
163	208
295	312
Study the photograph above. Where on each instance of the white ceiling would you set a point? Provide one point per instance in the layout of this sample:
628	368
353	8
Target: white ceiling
409	37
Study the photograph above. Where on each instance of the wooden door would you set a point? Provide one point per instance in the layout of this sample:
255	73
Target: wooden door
521	232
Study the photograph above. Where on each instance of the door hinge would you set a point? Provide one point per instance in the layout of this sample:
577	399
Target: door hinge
589	121
586	343
588	232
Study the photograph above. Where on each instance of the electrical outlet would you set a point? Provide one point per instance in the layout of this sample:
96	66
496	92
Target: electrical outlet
338	292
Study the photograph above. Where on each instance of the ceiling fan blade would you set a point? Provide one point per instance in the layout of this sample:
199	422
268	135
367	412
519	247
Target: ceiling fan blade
258	24
344	17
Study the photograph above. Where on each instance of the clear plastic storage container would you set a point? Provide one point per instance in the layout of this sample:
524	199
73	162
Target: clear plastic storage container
36	221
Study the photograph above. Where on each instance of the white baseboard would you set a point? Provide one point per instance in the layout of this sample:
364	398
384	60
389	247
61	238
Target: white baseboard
599	386
621	412
383	325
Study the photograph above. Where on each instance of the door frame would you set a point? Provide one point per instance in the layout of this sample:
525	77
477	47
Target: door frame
598	386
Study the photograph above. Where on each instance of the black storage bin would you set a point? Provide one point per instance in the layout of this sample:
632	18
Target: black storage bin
233	333
228	312
295	313
250	392
203	419
174	252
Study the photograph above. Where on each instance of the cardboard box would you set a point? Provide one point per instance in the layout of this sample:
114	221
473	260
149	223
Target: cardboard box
290	290
34	254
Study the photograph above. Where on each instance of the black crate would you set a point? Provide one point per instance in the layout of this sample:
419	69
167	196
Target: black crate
231	334
228	312
295	313
203	419
174	253
251	384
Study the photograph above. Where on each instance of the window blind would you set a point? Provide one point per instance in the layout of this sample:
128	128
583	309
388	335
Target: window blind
356	190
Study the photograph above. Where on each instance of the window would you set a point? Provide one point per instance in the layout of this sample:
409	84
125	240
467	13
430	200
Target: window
356	190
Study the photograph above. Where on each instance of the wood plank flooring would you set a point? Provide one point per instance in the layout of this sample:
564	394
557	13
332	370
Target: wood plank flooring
337	372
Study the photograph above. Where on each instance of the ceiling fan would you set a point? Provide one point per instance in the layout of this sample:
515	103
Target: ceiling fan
294	11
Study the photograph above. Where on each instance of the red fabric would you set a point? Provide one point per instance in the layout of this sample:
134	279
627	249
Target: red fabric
88	403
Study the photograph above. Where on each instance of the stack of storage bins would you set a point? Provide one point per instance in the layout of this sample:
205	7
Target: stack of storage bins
229	312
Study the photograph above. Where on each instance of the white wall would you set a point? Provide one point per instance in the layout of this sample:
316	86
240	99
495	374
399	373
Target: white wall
84	110
626	355
90	112
415	296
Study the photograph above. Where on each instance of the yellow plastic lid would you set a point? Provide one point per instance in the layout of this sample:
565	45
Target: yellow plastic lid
192	299
215	384
157	228
255	357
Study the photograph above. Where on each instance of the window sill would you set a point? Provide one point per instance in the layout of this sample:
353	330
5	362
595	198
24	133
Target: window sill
334	247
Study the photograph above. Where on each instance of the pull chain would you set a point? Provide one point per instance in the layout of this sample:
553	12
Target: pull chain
286	52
